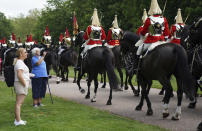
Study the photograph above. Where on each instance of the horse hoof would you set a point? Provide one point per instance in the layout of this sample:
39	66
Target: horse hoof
149	112
109	103
92	100
103	86
49	77
172	95
74	81
192	105
62	79
82	91
57	82
137	94
126	87
165	115
199	128
161	92
87	97
175	118
138	108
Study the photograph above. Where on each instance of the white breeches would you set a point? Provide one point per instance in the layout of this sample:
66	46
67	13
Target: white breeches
88	47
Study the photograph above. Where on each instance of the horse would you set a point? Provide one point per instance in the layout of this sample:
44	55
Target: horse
68	58
192	42
98	60
129	60
159	64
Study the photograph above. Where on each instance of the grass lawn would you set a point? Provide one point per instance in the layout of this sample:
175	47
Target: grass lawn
155	84
62	116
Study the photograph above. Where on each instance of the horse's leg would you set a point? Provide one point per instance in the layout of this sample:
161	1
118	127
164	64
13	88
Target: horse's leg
75	70
126	81
121	76
89	83
143	94
168	91
149	111
95	89
162	91
55	68
67	71
63	73
136	93
101	74
78	81
178	113
193	104
104	85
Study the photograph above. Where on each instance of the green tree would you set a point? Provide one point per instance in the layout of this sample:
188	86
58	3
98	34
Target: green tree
5	26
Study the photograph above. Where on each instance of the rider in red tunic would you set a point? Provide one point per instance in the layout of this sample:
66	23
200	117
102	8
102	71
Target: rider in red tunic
94	34
114	34
176	29
144	17
155	29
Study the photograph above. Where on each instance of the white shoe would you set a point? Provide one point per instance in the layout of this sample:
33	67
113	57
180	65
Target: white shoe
21	122
35	106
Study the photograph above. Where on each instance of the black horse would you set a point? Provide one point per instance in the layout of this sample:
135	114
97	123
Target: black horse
98	60
192	42
51	60
130	64
68	58
159	64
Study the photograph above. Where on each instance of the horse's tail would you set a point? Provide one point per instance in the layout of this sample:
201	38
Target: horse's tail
108	57
182	72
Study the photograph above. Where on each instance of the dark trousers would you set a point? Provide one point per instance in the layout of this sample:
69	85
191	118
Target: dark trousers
39	87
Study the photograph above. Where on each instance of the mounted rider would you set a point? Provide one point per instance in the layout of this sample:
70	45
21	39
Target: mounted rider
155	30
67	39
176	29
3	43
12	42
114	34
47	38
144	17
19	43
94	34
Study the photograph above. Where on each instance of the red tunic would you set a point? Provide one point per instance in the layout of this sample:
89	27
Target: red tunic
139	30
110	41
172	34
92	42
150	38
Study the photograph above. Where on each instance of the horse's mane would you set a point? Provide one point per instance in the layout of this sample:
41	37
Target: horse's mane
130	37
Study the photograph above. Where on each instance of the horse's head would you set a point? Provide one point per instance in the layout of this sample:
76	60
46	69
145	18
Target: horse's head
80	39
127	42
196	31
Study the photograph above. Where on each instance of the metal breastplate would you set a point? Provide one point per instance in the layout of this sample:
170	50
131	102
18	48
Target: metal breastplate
157	26
178	31
115	34
95	33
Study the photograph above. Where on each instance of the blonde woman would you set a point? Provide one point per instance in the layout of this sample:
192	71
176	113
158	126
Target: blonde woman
21	83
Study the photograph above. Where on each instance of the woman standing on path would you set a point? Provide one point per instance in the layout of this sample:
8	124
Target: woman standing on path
21	83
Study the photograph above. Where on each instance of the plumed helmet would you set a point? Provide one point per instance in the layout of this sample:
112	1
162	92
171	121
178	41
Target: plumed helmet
178	18
154	8
115	22
95	19
144	17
